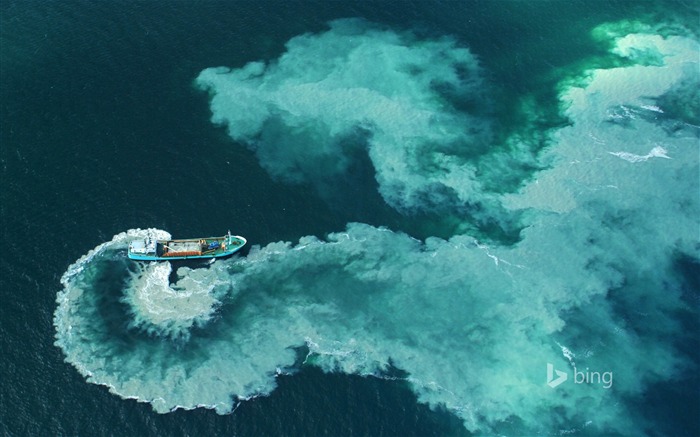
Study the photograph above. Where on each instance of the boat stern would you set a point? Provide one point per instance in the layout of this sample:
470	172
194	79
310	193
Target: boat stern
142	249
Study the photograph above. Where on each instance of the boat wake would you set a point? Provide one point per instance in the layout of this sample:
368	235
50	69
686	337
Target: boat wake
162	308
474	324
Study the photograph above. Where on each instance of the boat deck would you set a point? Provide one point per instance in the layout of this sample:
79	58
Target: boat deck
183	246
148	249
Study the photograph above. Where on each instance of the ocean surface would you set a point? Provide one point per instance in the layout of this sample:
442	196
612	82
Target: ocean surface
464	218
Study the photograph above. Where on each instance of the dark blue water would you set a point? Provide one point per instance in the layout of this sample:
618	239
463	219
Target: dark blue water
102	130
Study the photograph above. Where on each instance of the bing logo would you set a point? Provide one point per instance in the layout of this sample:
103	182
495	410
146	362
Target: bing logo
587	377
561	376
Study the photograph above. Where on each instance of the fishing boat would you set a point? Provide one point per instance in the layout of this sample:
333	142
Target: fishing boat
150	249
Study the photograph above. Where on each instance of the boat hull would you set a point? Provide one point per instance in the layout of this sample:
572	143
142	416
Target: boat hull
195	248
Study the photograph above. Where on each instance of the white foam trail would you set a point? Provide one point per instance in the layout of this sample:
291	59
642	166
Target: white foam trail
656	152
165	309
473	332
653	108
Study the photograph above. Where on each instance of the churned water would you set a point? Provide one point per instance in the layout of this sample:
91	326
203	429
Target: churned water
473	218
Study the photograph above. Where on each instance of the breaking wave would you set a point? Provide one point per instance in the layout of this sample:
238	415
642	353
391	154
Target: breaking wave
473	325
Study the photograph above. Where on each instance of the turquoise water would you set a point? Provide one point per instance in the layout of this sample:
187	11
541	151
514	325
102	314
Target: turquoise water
444	201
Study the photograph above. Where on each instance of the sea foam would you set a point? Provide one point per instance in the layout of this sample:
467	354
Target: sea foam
361	89
472	325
